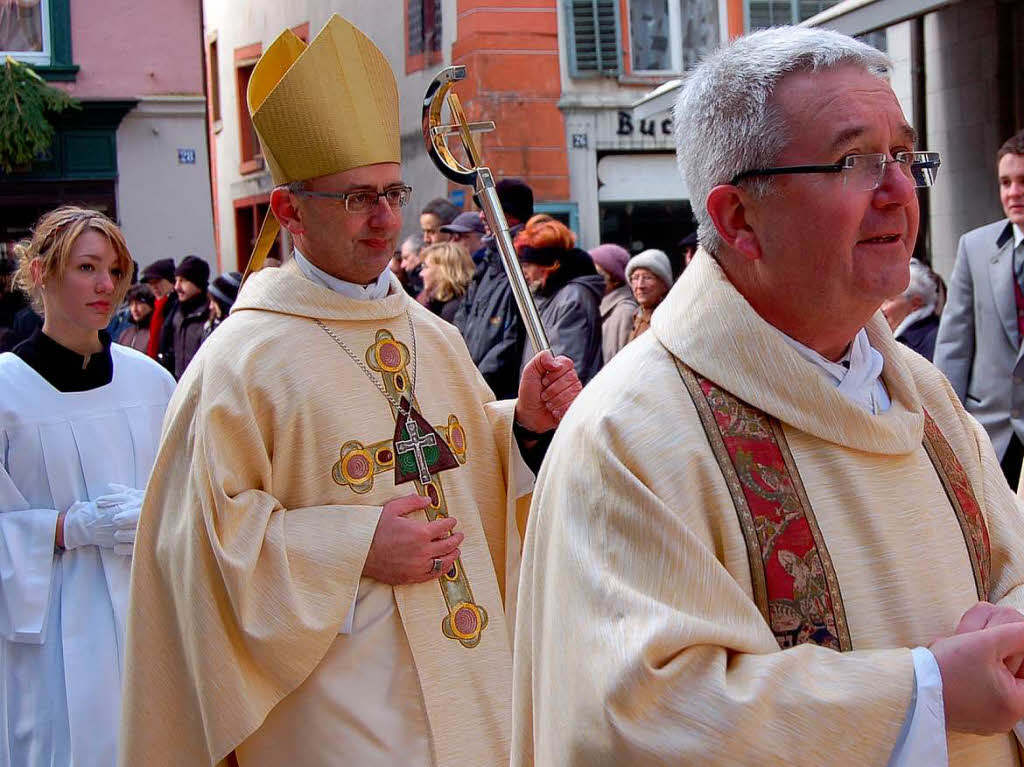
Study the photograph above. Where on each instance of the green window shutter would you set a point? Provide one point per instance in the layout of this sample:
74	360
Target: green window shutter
594	34
61	66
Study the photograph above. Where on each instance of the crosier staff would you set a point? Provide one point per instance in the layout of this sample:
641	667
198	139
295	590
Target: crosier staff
476	175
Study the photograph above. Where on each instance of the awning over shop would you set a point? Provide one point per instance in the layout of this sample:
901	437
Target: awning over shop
659	100
858	17
641	176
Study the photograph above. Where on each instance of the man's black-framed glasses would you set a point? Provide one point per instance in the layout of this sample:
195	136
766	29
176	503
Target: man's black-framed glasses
863	172
363	200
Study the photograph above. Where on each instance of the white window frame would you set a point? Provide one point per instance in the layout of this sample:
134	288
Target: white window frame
675	42
40	58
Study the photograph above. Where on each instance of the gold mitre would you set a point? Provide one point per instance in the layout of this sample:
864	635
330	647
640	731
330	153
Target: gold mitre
324	108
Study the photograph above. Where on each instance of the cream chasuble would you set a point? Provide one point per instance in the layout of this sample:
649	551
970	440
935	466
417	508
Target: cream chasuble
638	639
278	453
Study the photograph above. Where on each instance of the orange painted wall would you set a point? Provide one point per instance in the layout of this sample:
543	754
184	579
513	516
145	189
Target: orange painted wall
734	11
510	51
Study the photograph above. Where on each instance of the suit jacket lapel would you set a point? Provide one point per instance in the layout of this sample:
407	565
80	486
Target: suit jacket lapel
1002	278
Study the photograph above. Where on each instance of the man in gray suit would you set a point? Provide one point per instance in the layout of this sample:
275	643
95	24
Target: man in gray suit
979	342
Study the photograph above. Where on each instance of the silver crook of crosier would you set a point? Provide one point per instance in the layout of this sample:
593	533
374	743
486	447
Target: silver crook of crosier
478	176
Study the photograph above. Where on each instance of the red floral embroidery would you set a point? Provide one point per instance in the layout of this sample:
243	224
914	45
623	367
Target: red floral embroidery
961	495
803	603
794	583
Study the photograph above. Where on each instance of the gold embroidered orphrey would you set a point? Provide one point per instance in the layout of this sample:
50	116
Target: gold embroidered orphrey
417	452
794	583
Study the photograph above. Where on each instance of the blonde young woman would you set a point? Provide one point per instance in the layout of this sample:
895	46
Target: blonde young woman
447	271
79	425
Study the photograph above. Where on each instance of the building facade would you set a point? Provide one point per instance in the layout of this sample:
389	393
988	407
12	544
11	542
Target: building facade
418	42
625	185
136	147
558	78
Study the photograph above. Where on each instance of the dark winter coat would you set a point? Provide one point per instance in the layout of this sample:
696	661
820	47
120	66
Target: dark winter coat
921	336
25	323
490	324
445	309
10	305
414	281
182	333
136	334
570	309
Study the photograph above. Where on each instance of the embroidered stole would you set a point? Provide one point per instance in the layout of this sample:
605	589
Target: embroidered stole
794	582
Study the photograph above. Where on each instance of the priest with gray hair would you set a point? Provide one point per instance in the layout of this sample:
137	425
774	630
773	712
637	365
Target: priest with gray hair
767	533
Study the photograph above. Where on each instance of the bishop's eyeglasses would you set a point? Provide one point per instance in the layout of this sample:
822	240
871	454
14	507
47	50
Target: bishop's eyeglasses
863	172
363	200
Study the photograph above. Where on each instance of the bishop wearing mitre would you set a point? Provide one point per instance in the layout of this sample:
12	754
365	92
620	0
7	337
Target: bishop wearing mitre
326	550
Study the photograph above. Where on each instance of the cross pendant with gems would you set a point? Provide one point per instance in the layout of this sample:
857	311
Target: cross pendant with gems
415	445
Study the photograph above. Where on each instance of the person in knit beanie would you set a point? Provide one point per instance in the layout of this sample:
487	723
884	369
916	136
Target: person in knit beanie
650	276
194	270
618	305
159	275
182	332
223	292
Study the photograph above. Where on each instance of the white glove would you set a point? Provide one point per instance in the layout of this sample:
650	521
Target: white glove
121	494
127	501
87	524
108	522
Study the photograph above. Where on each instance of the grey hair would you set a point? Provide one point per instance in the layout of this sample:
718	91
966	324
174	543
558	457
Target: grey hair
923	285
725	119
414	241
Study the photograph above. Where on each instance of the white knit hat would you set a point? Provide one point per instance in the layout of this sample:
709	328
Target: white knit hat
653	260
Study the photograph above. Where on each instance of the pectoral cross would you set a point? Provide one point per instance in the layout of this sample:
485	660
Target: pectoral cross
417	452
415	445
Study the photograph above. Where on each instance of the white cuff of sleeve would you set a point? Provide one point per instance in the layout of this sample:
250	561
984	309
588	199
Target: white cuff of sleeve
923	740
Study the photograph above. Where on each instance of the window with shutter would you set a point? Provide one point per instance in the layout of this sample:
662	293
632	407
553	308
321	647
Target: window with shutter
38	32
594	37
423	34
24	31
761	14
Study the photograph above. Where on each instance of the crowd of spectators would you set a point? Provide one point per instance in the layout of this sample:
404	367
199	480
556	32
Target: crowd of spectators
593	304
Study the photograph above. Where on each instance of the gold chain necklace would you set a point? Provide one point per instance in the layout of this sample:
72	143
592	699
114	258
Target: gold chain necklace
369	374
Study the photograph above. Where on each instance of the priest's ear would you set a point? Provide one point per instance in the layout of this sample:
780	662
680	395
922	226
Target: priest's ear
730	209
283	203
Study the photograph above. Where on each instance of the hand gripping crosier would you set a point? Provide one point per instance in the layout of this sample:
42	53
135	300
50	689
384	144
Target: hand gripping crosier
435	135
